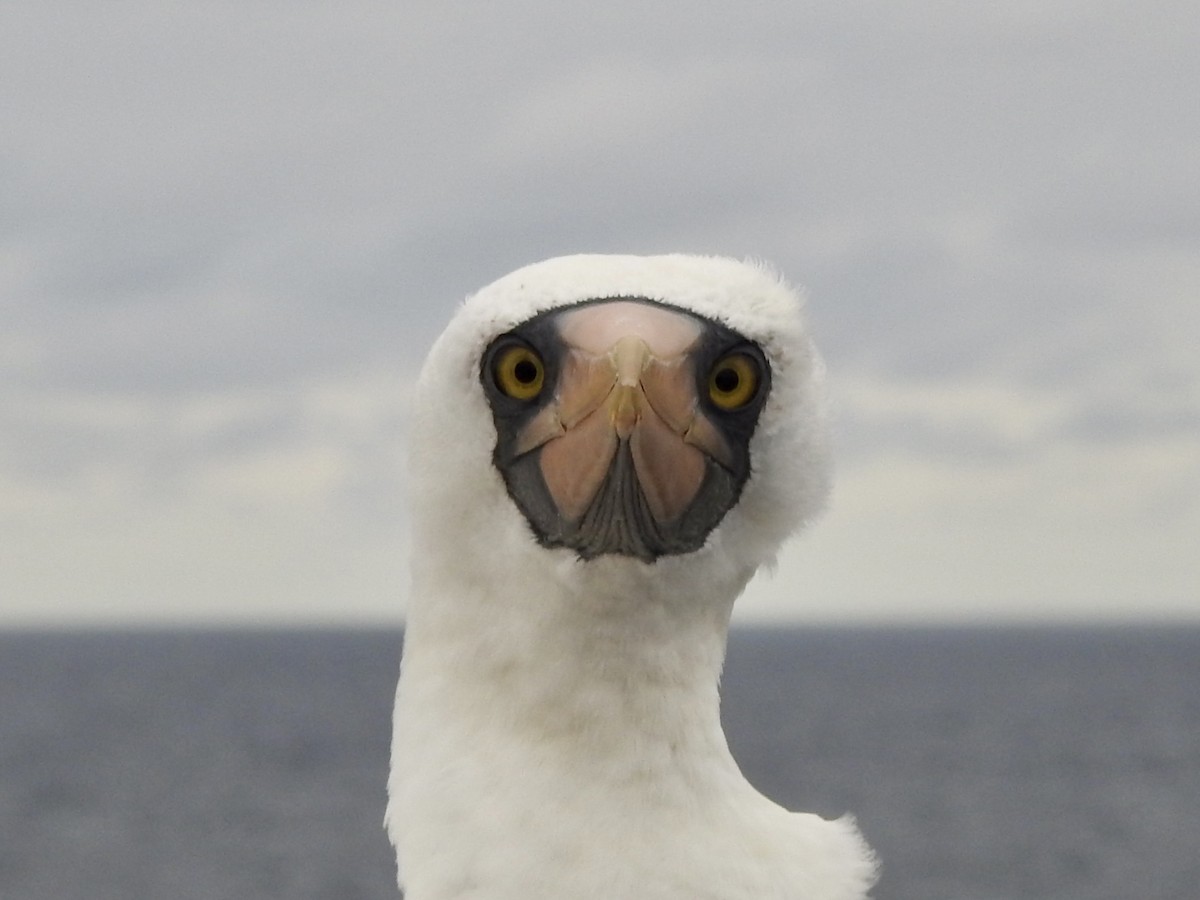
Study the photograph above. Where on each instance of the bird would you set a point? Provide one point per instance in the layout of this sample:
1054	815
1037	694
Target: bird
603	450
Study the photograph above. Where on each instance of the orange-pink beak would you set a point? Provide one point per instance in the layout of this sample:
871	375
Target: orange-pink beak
626	376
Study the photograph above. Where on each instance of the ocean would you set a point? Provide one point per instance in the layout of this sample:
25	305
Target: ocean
981	764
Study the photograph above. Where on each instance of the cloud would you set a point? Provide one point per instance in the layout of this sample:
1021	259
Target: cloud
1011	517
234	506
230	233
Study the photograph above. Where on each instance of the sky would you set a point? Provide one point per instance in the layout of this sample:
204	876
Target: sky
229	233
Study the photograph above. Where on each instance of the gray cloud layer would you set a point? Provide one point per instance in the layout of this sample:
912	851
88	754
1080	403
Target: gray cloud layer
229	233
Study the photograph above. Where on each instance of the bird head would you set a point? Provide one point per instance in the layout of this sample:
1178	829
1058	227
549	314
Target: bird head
622	413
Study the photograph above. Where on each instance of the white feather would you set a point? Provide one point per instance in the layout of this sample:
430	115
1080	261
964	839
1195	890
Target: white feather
557	731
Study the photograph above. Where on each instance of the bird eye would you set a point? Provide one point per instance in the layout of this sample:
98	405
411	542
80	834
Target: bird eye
733	381
519	372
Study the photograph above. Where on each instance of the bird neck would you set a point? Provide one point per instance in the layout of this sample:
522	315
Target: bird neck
599	661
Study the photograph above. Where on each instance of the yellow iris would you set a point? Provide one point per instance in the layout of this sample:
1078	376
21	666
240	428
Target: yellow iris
519	372
733	381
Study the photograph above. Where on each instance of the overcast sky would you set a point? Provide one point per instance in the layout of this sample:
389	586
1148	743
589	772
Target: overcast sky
229	233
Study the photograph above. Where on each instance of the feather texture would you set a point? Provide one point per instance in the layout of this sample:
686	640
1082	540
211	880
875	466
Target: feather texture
557	728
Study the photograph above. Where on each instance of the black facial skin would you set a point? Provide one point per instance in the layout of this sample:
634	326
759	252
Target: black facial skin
511	414
619	519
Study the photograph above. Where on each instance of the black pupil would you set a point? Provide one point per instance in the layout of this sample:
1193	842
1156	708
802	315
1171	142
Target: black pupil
726	381
525	371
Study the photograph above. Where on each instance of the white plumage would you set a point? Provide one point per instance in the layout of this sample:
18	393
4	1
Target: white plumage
557	731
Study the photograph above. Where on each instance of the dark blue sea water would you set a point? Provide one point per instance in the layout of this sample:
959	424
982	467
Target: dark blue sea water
980	764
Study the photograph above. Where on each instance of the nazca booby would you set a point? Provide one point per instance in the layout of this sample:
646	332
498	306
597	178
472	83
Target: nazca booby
604	449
